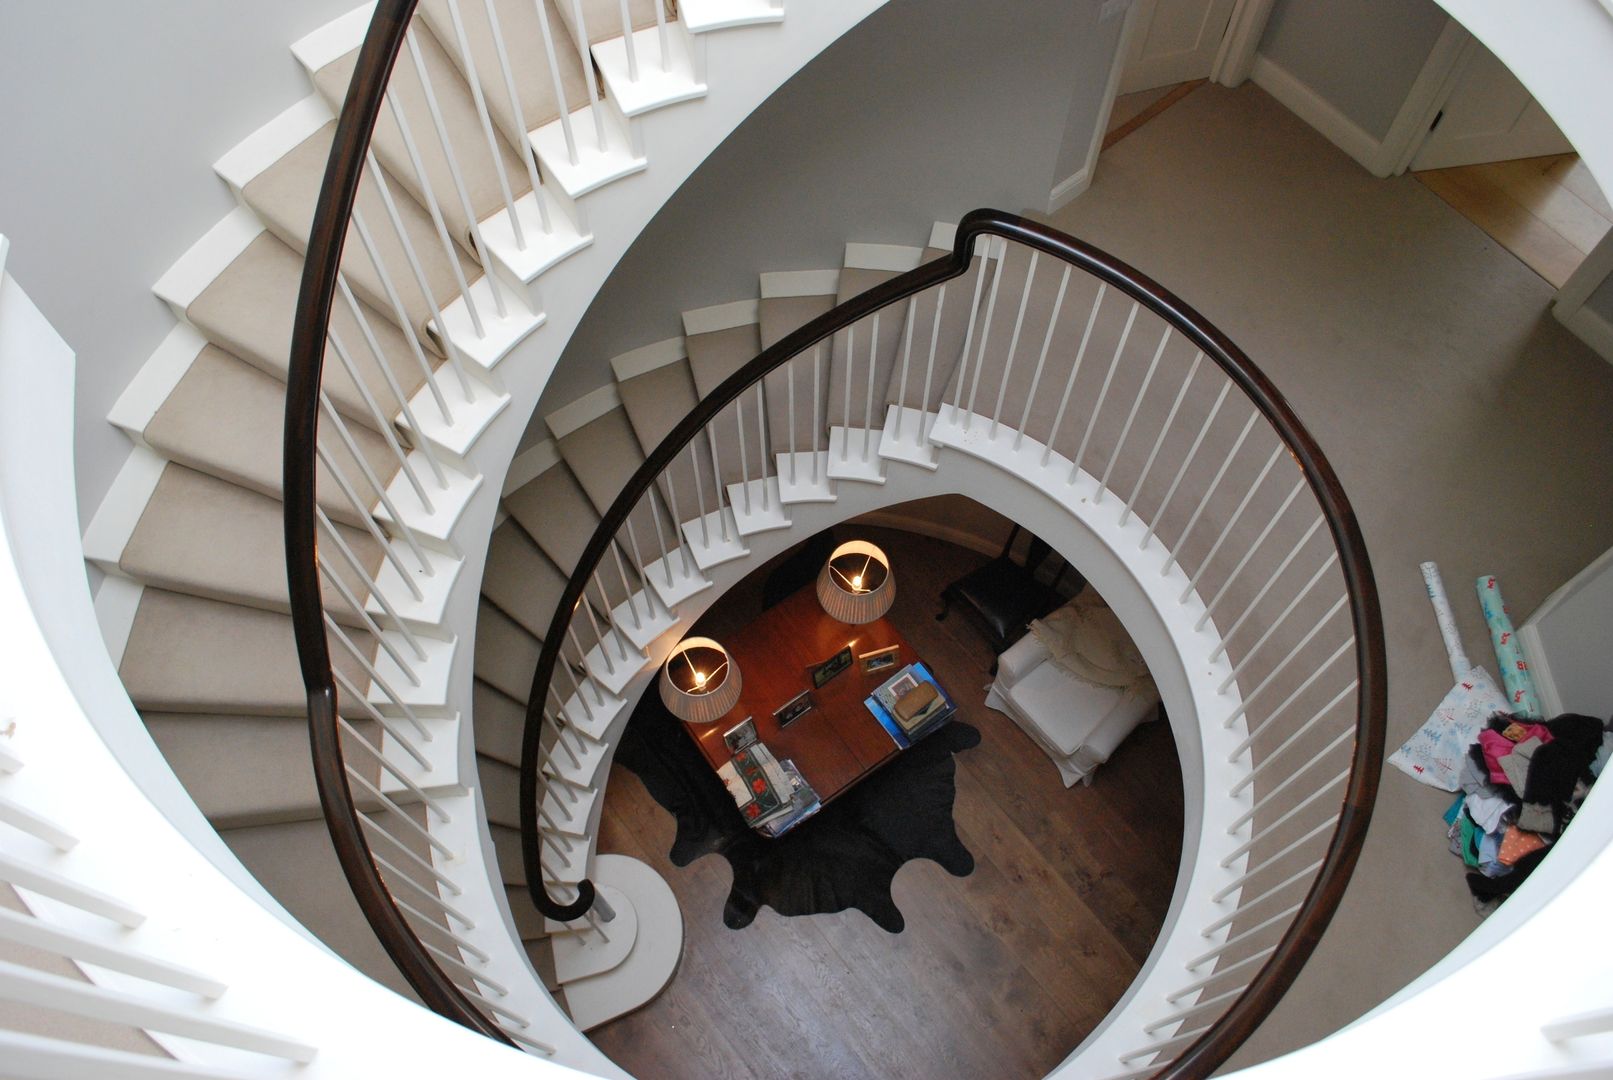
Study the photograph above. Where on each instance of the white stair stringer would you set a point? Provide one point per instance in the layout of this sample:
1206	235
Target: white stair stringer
595	950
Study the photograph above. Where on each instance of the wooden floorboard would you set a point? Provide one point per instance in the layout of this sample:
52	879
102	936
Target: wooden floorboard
1000	973
1546	211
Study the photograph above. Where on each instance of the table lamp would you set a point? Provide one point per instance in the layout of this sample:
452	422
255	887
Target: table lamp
700	682
856	584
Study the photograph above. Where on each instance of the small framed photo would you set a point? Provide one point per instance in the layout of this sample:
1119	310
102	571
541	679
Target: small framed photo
740	735
822	673
794	708
879	659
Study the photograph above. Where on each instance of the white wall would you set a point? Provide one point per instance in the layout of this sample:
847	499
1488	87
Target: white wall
1360	56
114	112
927	110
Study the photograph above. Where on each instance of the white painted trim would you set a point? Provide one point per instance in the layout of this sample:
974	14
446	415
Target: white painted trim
585	410
893	257
1071	187
1066	190
1596	268
709	320
1534	650
334	40
1428	94
152	385
115	605
530	464
207	258
702	16
249	158
778	284
5	249
119	513
1316	111
648	358
1239	45
1591	328
944	235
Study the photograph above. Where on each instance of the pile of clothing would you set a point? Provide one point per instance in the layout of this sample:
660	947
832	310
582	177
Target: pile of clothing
1522	782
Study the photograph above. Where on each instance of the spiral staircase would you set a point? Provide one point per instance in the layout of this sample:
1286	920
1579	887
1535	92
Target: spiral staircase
481	614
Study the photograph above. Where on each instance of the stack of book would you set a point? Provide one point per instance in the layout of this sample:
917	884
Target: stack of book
911	704
771	795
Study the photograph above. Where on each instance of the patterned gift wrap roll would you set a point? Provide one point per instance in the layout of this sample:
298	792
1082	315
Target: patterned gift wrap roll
1515	675
1460	665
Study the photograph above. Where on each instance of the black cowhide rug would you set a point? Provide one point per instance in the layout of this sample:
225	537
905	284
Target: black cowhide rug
843	857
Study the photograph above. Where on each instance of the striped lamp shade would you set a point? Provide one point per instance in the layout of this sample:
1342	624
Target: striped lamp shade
700	682
856	584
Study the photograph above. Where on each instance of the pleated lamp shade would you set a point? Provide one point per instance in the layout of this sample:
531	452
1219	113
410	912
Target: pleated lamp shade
856	584
700	682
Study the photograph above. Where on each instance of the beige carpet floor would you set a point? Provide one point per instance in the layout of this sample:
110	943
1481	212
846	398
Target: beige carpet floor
1467	426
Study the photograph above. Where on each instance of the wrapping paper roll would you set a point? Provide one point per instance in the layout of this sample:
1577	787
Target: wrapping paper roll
1515	675
1460	665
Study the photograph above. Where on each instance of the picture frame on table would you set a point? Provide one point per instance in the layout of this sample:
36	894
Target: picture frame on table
741	735
820	674
879	660
794	709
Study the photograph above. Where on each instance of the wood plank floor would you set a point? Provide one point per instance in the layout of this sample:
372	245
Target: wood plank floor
999	974
1547	211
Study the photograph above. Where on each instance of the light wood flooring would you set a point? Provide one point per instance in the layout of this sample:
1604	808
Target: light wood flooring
1547	211
998	974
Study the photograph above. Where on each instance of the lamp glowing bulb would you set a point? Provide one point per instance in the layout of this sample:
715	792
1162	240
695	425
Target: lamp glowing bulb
700	679
857	582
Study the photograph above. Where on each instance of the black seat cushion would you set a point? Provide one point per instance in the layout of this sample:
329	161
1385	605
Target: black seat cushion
1005	597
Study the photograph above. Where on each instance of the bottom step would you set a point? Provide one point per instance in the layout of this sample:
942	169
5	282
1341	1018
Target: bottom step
657	946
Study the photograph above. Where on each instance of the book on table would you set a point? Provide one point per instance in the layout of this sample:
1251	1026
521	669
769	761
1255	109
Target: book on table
770	794
911	704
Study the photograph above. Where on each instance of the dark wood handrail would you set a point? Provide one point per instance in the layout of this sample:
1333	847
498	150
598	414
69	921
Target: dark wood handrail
319	274
1218	1042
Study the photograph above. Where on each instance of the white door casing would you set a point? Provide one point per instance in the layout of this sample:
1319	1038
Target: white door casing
1176	41
1489	116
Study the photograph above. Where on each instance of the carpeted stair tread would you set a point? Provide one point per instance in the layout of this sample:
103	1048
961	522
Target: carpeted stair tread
211	538
249	311
713	357
297	865
556	513
850	352
501	791
780	316
603	18
655	402
465	134
189	654
506	655
521	579
251	770
518	20
499	721
603	454
507	849
225	418
284	196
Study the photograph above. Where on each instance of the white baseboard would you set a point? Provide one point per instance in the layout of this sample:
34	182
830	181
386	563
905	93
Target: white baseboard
1320	114
1589	327
1066	190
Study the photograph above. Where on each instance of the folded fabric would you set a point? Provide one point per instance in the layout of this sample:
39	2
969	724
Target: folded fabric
1487	809
1497	746
1516	764
1088	640
1517	843
1490	864
1537	818
1555	768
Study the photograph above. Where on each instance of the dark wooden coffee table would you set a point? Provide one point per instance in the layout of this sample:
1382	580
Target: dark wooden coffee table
838	742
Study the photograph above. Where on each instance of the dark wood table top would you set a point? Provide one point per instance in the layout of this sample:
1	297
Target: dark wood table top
838	742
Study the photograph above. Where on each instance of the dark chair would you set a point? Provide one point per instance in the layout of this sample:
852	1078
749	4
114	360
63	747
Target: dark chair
1003	596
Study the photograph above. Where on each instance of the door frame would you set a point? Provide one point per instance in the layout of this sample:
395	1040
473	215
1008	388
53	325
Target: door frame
1569	303
1233	60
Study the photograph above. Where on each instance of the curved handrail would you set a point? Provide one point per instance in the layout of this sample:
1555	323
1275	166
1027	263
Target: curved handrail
338	192
1218	1042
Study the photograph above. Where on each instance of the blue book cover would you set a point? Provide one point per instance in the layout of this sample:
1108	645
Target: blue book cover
877	702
